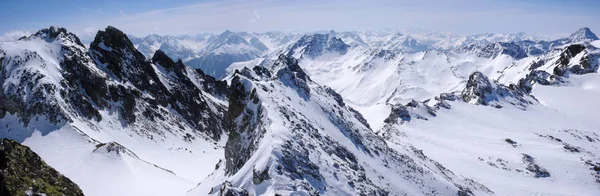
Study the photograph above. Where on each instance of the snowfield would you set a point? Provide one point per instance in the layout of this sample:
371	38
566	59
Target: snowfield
333	113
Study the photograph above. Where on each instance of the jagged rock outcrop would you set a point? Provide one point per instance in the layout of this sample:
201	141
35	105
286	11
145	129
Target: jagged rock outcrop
185	94
286	68
32	82
23	172
245	131
480	90
532	166
494	50
411	110
538	77
53	33
577	60
63	82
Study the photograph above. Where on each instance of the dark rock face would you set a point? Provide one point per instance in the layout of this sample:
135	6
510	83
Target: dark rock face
538	77
398	112
480	90
245	132
587	64
29	97
184	95
409	111
23	172
227	189
532	166
112	48
117	56
286	68
111	76
511	142
493	50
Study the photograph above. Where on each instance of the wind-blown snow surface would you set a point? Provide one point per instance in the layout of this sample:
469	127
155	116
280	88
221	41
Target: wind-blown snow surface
372	78
497	147
560	132
472	141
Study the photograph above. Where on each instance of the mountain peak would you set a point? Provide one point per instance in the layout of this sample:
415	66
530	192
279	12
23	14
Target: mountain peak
317	44
582	34
287	69
51	33
226	33
287	61
162	58
113	38
229	37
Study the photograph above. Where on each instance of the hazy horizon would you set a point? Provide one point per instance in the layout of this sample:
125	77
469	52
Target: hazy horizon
551	18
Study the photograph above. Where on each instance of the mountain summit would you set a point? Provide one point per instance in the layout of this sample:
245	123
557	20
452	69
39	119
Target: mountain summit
582	34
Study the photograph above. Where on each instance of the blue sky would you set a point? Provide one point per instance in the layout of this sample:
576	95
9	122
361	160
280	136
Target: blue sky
541	17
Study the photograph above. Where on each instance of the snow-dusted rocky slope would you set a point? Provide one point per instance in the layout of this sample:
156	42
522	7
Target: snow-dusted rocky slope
293	136
106	115
539	136
520	119
488	114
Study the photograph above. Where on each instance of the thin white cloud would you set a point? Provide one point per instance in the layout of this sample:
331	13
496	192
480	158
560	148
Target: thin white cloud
89	10
256	16
13	35
459	16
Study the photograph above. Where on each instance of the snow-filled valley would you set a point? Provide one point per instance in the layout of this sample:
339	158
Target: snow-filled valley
326	113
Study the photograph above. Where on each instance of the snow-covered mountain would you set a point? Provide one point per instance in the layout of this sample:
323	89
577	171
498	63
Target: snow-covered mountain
227	48
109	113
583	34
214	53
182	47
293	136
311	46
388	113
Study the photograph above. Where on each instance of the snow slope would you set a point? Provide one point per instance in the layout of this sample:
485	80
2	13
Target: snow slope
471	141
295	137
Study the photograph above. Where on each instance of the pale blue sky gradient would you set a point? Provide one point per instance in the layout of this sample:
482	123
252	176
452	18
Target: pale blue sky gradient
540	17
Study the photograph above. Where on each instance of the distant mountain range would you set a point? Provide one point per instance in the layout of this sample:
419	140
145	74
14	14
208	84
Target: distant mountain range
213	53
327	113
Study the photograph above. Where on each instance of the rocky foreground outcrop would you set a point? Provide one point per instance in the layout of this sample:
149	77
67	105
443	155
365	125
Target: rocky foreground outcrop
23	172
